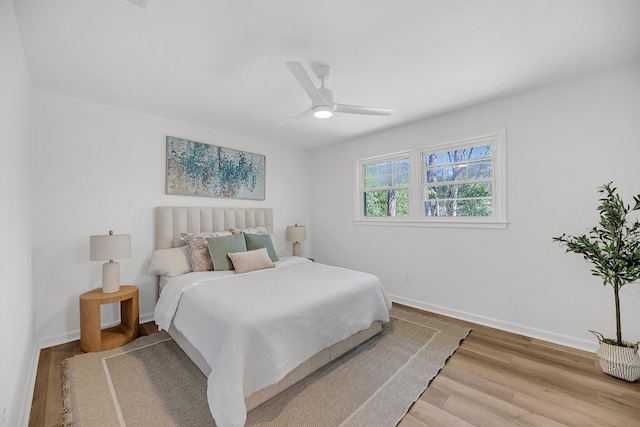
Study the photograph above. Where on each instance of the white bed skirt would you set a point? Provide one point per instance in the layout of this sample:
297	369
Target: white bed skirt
316	362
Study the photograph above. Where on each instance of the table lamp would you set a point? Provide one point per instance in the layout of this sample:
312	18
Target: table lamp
296	233
110	247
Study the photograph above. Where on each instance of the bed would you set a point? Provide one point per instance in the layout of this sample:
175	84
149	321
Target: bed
254	334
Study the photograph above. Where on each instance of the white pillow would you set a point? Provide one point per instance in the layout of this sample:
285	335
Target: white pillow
260	229
170	262
257	259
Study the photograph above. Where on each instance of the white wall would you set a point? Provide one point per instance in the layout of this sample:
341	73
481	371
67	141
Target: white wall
100	168
563	142
18	351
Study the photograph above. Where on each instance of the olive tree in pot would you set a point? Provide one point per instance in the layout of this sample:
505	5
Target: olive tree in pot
613	247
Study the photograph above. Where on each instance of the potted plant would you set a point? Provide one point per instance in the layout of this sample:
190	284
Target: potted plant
613	247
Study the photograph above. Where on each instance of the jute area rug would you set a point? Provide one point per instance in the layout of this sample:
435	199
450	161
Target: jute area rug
151	382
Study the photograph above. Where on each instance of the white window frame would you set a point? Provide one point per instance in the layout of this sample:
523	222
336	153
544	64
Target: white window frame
417	217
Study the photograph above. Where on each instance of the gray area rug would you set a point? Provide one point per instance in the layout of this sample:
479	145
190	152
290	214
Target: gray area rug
151	382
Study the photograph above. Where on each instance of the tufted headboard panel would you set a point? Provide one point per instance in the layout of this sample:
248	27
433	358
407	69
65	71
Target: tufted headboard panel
173	220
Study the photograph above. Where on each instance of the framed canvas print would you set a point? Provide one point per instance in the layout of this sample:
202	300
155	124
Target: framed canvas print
198	169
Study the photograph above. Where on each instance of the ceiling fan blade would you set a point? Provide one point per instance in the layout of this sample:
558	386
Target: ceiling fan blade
303	78
358	109
297	116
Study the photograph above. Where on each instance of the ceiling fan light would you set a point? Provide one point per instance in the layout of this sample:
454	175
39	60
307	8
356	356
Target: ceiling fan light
322	111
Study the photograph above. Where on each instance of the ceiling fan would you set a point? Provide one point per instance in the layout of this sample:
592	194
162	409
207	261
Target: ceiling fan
322	105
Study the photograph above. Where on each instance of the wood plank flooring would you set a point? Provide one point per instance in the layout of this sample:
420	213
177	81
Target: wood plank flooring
494	379
46	407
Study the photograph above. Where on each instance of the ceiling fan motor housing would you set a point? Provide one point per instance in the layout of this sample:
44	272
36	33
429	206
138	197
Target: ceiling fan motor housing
322	71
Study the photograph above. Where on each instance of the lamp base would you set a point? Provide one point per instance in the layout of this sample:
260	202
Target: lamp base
110	277
296	249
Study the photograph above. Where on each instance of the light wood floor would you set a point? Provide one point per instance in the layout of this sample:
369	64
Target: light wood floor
494	379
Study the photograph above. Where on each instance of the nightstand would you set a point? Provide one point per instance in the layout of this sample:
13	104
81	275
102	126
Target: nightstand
92	338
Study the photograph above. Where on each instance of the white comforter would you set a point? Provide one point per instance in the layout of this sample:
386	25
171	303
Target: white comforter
254	328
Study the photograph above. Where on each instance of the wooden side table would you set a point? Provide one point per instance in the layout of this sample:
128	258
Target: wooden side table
92	338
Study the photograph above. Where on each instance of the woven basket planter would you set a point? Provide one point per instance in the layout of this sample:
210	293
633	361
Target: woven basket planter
617	361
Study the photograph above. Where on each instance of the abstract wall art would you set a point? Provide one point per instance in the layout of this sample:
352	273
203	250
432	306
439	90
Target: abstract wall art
197	169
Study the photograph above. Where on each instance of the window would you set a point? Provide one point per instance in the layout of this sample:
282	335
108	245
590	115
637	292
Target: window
460	183
386	186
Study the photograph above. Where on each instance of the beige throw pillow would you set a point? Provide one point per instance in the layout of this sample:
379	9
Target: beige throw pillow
257	259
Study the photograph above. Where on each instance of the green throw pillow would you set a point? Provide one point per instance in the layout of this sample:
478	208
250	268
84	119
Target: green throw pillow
220	246
257	241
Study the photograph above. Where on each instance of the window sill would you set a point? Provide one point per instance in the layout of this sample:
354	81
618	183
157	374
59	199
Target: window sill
439	223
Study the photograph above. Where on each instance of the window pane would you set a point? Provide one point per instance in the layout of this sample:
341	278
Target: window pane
431	193
479	170
370	170
445	208
432	159
386	181
441	208
402	165
449	173
385	168
371	183
447	191
402	202
456	156
476	207
481	152
430	208
479	189
386	203
461	172
375	203
402	179
435	175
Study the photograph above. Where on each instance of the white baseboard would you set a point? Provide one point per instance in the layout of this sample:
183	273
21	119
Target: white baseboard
565	340
148	317
27	395
45	342
66	337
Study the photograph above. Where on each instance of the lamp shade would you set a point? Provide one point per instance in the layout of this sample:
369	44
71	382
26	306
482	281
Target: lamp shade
111	246
296	233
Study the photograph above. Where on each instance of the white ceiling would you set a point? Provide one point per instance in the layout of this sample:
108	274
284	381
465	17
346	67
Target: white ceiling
221	63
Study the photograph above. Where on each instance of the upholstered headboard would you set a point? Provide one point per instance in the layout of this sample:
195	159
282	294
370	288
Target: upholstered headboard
173	220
